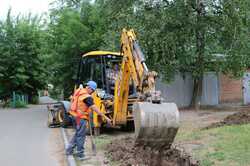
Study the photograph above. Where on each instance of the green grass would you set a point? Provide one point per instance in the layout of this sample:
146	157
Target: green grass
188	135
223	146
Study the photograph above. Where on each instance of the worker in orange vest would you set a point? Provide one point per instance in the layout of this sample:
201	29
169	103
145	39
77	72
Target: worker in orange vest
82	105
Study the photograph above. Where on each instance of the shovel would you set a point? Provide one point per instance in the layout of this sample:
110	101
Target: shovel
92	138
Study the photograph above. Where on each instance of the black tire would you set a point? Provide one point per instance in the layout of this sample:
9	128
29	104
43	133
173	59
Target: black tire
129	126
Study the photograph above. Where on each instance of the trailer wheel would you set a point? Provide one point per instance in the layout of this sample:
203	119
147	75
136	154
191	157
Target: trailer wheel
60	115
52	120
49	119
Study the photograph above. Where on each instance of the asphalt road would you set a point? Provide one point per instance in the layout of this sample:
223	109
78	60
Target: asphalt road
25	139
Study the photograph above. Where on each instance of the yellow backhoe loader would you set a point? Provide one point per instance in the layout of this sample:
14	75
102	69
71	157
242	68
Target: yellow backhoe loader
126	94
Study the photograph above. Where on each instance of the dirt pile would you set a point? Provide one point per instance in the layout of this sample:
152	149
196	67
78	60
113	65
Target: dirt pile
124	151
238	118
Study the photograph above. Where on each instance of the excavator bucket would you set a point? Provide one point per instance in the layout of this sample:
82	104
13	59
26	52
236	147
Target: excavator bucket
156	125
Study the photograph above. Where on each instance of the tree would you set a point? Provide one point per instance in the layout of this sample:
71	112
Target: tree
186	36
22	67
176	36
73	30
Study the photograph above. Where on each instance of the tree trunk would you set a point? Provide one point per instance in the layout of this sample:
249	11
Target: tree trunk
197	92
200	50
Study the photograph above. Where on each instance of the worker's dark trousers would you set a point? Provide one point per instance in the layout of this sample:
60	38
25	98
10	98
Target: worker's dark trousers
78	139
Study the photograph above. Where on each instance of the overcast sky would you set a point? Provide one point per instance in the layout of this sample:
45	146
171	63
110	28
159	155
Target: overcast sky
23	7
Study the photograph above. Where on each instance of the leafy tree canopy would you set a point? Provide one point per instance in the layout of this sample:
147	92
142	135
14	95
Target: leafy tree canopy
22	68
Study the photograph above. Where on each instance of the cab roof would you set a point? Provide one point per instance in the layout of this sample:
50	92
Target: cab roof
101	53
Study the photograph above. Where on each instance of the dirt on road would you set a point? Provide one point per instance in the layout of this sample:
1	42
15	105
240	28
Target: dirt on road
125	151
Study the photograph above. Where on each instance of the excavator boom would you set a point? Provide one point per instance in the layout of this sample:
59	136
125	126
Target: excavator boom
156	123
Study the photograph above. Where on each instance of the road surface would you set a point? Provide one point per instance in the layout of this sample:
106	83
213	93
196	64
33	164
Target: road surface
25	139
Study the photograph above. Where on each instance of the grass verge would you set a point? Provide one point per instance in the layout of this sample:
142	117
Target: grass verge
223	146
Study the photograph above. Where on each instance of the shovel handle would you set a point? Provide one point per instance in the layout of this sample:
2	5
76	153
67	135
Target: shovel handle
92	138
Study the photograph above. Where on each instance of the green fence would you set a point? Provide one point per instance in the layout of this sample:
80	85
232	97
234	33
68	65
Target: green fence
19	100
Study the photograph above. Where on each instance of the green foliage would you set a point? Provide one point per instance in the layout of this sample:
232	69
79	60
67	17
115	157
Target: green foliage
20	104
167	31
185	36
56	93
21	60
34	99
176	36
73	30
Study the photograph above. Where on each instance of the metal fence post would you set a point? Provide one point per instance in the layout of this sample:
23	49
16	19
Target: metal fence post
26	99
14	99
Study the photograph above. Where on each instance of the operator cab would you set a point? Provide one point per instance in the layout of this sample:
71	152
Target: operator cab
102	67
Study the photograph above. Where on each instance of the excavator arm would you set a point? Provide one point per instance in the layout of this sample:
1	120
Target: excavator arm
156	123
133	68
134	57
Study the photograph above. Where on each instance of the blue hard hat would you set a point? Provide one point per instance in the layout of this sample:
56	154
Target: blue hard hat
92	85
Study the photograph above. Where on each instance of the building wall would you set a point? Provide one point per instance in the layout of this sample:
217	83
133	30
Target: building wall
230	89
216	89
179	91
210	90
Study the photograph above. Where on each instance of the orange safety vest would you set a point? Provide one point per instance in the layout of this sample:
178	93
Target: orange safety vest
78	108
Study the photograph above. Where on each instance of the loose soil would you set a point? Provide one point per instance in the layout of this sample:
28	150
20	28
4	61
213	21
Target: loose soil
122	151
238	118
125	151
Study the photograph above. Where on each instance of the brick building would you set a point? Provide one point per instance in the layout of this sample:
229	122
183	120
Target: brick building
230	89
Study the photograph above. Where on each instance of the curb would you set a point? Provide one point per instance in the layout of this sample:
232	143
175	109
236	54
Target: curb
70	159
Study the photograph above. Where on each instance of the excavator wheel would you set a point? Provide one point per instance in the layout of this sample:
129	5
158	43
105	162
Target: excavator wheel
156	125
128	127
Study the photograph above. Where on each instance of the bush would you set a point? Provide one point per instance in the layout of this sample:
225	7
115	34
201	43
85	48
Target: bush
21	104
6	103
34	100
